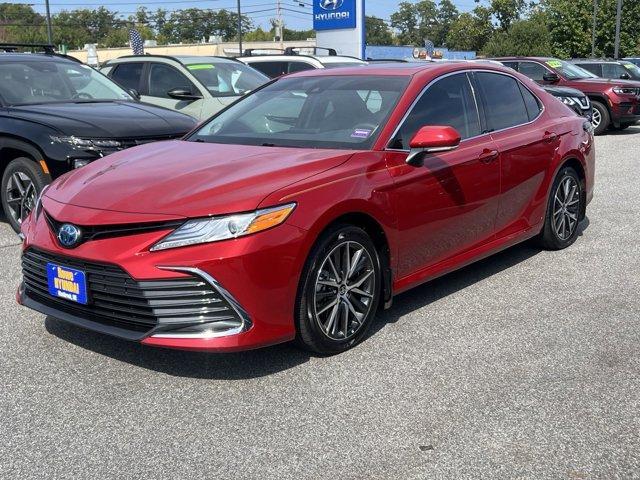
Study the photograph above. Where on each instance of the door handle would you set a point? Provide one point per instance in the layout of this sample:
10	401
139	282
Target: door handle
488	156
550	137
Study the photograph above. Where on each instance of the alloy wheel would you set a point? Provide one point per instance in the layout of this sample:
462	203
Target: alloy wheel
566	208
596	118
21	196
344	290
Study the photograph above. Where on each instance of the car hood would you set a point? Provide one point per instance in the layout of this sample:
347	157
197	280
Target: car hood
190	179
117	119
605	82
563	91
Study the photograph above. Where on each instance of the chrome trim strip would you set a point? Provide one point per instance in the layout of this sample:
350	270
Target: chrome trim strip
241	312
424	90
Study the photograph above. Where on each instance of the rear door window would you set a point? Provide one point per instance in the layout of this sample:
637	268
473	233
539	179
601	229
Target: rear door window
533	70
594	68
271	69
128	75
504	104
299	67
448	102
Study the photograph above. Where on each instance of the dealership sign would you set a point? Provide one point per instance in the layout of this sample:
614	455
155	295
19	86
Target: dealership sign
334	14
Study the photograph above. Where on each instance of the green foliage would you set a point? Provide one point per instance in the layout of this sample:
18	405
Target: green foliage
471	30
377	32
529	37
570	23
507	12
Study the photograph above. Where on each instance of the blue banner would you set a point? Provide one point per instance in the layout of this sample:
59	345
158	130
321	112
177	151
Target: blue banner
334	14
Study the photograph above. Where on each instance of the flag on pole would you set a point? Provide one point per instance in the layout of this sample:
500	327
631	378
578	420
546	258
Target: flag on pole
136	42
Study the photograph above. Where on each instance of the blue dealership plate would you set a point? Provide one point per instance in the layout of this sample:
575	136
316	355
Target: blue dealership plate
67	283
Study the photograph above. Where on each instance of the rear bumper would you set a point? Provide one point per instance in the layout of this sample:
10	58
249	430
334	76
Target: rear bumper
257	275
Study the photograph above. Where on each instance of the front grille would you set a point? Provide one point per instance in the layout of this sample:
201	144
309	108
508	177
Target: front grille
97	232
116	299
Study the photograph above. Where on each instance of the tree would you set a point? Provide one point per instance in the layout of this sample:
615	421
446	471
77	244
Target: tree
405	20
570	23
471	31
19	23
447	15
377	32
507	12
527	38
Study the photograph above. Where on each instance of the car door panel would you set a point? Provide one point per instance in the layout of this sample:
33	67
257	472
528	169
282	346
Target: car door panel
450	204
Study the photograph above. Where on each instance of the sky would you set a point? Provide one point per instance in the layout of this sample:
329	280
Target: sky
296	13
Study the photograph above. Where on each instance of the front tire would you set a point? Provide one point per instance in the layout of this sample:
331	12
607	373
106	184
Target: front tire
339	291
22	182
601	118
564	210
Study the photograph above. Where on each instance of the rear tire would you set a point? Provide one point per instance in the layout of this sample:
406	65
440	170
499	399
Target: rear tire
22	182
339	291
601	118
564	210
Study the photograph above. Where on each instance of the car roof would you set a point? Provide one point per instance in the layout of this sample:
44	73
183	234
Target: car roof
535	59
596	60
35	57
403	69
183	59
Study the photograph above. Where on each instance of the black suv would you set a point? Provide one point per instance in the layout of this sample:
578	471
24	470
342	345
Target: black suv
57	114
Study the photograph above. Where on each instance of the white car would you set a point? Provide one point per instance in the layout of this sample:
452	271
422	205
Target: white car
296	59
196	85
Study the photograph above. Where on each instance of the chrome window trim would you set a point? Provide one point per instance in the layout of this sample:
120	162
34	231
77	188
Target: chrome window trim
432	82
237	308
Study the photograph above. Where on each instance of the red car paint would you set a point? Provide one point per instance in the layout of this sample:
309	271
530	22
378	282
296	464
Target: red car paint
463	205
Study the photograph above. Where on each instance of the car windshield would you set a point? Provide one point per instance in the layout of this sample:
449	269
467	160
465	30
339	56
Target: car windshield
227	79
317	112
569	70
31	82
634	71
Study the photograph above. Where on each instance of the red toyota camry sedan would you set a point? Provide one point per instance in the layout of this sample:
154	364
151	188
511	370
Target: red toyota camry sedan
300	210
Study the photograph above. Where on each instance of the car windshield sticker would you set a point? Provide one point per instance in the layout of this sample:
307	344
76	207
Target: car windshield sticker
554	63
203	66
628	65
361	133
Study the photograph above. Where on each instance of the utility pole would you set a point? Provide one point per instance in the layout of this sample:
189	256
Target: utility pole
279	24
593	31
239	29
616	55
49	33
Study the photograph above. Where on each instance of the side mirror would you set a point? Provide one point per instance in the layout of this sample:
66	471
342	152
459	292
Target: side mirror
625	76
183	94
431	140
551	77
134	93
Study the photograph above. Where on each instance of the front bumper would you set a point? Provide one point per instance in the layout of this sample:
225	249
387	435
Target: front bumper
256	276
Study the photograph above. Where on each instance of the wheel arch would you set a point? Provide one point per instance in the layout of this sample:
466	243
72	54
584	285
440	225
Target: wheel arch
12	147
576	164
376	231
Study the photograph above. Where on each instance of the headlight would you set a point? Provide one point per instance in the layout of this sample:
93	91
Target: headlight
568	101
37	208
625	90
86	143
205	230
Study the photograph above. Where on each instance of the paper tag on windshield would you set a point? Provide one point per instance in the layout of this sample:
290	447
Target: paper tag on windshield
361	133
554	63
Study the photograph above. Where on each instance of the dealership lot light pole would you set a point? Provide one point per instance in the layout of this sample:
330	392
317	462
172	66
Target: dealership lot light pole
593	30
239	28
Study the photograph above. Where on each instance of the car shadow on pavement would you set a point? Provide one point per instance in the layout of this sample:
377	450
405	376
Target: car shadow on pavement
267	361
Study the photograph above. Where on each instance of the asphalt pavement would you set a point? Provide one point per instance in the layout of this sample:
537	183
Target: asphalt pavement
525	365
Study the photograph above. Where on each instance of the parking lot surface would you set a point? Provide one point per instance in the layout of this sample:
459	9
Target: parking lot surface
525	365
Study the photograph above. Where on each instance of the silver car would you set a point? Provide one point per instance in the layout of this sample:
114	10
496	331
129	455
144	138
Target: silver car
196	85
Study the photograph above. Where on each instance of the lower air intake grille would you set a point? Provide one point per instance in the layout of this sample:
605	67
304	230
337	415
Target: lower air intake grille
115	299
